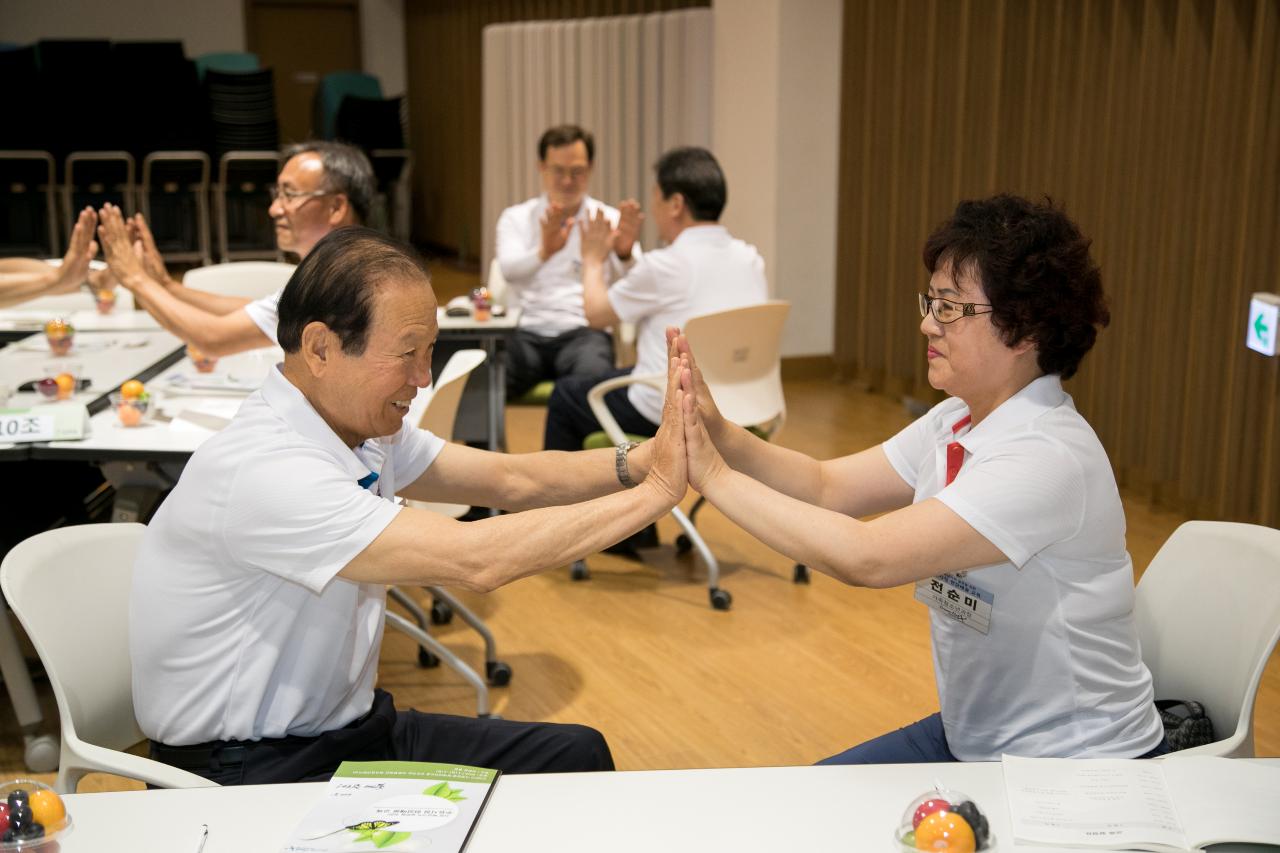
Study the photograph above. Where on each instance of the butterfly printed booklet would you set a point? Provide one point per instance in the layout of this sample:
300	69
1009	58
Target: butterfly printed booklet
397	806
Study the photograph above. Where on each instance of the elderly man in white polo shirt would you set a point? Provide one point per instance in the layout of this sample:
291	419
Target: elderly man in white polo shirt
538	251
323	186
258	598
999	505
703	269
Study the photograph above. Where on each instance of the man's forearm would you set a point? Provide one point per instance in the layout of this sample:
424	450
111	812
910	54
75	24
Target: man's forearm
213	303
595	295
424	549
213	334
554	478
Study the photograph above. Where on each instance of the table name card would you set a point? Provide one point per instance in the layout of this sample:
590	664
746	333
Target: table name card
56	422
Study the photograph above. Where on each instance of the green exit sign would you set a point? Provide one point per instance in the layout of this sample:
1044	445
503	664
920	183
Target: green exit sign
1264	323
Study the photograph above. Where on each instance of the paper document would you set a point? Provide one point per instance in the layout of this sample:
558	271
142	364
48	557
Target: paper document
397	806
1175	804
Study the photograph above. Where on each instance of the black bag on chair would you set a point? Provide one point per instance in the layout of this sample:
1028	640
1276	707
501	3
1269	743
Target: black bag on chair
1185	723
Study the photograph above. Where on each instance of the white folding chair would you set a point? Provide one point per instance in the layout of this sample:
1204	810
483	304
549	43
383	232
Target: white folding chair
1208	613
738	352
436	411
70	587
252	279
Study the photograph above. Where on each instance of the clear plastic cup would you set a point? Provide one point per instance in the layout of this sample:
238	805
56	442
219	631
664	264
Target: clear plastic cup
60	334
32	816
105	299
943	821
61	380
130	411
203	363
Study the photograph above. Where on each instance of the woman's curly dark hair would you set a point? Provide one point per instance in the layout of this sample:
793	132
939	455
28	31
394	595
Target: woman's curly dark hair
1035	267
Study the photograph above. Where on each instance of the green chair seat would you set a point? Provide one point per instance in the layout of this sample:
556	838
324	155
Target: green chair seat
538	395
597	440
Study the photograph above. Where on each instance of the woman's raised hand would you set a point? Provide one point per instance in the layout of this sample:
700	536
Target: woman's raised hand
668	470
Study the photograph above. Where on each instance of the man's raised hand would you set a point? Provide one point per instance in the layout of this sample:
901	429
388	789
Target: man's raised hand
80	250
597	238
628	230
668	471
121	257
555	230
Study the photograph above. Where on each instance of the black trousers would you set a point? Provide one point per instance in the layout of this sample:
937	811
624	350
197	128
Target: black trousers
385	734
534	358
570	419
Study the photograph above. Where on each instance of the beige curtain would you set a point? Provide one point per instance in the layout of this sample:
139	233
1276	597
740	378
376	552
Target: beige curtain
640	83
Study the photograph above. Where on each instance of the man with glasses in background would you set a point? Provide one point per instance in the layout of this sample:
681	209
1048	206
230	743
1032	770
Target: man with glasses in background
323	186
539	252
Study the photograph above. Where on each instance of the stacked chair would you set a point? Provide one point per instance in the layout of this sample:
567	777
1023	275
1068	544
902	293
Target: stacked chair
330	93
246	136
376	125
242	108
195	150
28	171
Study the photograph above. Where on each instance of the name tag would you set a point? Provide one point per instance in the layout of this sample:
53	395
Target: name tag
961	600
26	427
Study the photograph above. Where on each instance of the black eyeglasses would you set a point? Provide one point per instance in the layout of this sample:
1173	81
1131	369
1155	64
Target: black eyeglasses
287	196
945	311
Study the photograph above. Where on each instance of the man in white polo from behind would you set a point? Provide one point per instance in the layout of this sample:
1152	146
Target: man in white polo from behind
323	186
703	269
538	252
258	597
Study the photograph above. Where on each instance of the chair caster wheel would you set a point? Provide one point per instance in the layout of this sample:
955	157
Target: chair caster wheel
721	599
498	673
426	659
441	613
579	571
41	754
801	574
683	544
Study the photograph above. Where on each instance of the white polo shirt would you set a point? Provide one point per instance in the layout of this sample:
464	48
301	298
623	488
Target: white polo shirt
265	313
549	292
239	628
1060	674
703	270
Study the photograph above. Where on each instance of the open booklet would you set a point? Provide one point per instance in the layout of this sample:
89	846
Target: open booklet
397	806
1171	805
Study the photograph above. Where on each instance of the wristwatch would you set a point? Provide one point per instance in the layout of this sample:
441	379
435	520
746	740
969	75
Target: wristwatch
620	463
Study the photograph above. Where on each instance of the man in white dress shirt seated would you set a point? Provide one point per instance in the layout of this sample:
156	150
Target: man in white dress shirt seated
702	269
323	186
538	251
256	613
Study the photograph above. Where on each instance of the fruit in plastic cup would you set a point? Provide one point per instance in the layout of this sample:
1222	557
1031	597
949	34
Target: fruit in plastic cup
59	333
481	305
105	299
60	380
32	816
130	410
943	821
204	363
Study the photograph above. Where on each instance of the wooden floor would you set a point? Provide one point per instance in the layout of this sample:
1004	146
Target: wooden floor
791	674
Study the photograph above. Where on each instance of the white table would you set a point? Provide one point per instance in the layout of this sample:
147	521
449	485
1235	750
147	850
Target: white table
491	335
755	810
106	359
190	407
17	323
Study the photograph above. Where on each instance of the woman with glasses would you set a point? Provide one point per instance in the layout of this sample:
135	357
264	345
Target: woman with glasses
999	504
